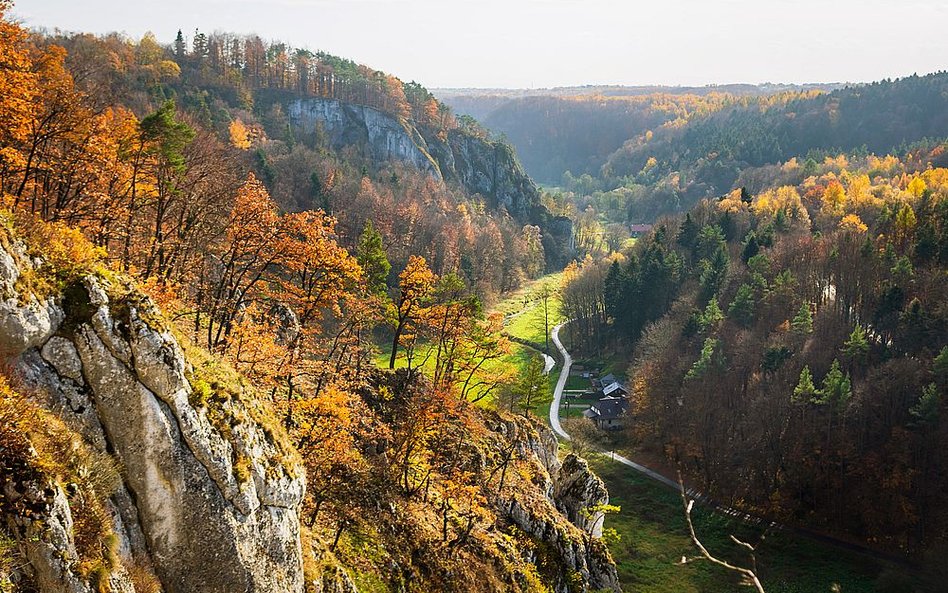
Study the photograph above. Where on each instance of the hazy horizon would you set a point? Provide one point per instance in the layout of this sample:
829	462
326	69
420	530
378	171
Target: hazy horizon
534	44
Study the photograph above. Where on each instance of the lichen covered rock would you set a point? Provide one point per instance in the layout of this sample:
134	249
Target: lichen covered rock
209	496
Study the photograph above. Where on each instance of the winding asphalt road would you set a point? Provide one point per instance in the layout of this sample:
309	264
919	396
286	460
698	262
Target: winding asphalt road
555	412
560	383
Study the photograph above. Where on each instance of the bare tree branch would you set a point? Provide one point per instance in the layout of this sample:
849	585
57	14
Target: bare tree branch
748	575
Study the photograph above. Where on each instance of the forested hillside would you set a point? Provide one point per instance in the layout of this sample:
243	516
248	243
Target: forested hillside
791	346
634	157
578	134
576	129
194	290
232	96
681	165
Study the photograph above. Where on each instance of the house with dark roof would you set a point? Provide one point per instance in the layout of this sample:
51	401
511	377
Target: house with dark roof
608	412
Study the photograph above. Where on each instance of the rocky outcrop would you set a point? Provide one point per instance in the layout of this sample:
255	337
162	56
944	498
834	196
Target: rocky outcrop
44	528
209	494
491	169
579	493
378	135
481	166
575	492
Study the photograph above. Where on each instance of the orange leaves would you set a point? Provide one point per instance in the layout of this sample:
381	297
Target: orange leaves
18	87
292	258
62	248
254	350
254	220
319	271
415	283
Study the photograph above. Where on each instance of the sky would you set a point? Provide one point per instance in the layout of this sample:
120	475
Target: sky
547	43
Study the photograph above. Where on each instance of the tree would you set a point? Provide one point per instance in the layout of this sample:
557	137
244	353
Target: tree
748	576
532	389
253	237
239	135
751	247
180	49
926	410
708	359
160	166
688	232
857	346
836	389
370	253
615	236
414	287
19	89
713	272
712	316
742	307
802	323
940	366
805	392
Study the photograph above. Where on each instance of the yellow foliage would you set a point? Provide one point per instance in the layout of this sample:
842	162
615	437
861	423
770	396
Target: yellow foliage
783	198
65	253
858	190
852	223
239	135
917	187
834	197
839	162
732	202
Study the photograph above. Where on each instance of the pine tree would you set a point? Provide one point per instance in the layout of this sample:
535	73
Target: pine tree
612	293
802	323
940	365
370	253
709	357
742	307
837	388
926	409
857	346
180	48
805	391
751	247
712	315
687	232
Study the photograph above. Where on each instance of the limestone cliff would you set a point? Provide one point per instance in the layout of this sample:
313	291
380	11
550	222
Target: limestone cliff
481	166
378	135
208	498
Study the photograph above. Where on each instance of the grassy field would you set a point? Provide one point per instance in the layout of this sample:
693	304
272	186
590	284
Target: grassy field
577	406
524	309
654	538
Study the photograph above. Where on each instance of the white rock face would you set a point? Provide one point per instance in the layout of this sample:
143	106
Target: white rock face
380	136
206	525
